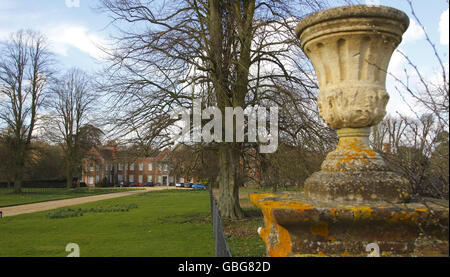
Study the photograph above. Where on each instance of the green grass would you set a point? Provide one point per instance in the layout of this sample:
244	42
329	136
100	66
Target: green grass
33	195
164	224
243	238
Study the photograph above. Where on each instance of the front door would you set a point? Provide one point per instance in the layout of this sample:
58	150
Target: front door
164	182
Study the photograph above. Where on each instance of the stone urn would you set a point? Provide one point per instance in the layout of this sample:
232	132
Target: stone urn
350	48
354	206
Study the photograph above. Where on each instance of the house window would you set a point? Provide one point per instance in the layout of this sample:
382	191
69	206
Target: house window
97	179
91	167
141	179
149	178
132	166
141	166
131	178
120	177
165	167
181	180
91	180
97	167
120	166
159	167
150	167
159	179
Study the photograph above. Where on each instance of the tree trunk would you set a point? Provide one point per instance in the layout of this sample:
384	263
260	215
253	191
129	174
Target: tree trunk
69	175
18	176
228	182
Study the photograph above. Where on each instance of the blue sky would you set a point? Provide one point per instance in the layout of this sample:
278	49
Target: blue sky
75	32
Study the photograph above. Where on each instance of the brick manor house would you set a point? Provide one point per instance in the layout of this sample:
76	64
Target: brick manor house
116	166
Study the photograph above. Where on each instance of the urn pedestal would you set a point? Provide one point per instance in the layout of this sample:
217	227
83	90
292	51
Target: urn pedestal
354	200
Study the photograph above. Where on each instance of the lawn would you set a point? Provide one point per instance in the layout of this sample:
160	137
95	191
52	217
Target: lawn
33	195
159	224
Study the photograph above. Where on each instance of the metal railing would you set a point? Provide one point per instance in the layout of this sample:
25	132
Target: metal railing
220	242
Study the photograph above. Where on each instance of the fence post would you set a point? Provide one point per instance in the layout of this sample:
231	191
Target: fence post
220	243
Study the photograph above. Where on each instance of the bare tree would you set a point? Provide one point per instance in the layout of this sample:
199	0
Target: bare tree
24	73
227	53
72	97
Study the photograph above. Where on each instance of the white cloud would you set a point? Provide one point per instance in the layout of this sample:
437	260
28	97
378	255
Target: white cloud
65	36
443	27
414	32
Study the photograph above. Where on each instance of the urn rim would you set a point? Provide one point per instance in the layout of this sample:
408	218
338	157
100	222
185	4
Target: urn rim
352	11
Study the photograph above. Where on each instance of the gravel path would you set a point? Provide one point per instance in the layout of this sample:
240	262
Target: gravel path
50	205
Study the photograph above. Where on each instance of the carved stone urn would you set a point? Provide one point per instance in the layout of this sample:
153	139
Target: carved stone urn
350	48
354	204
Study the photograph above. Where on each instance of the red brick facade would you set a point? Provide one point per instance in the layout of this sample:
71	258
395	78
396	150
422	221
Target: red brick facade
109	163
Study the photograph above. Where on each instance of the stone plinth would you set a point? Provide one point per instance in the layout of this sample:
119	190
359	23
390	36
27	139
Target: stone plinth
298	226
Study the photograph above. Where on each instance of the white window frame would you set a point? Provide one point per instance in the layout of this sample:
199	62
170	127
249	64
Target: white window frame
150	167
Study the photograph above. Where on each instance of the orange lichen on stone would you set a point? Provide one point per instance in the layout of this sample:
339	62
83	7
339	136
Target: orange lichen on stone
408	217
333	212
320	229
353	149
360	212
282	246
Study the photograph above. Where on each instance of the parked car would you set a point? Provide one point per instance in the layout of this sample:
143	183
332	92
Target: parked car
198	186
83	185
123	184
188	185
140	184
179	185
149	184
132	184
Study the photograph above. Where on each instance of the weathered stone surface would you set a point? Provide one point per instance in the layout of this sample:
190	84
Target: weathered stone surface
358	186
350	48
298	226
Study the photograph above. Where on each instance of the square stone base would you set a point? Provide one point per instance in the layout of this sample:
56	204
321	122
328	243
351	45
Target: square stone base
298	226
